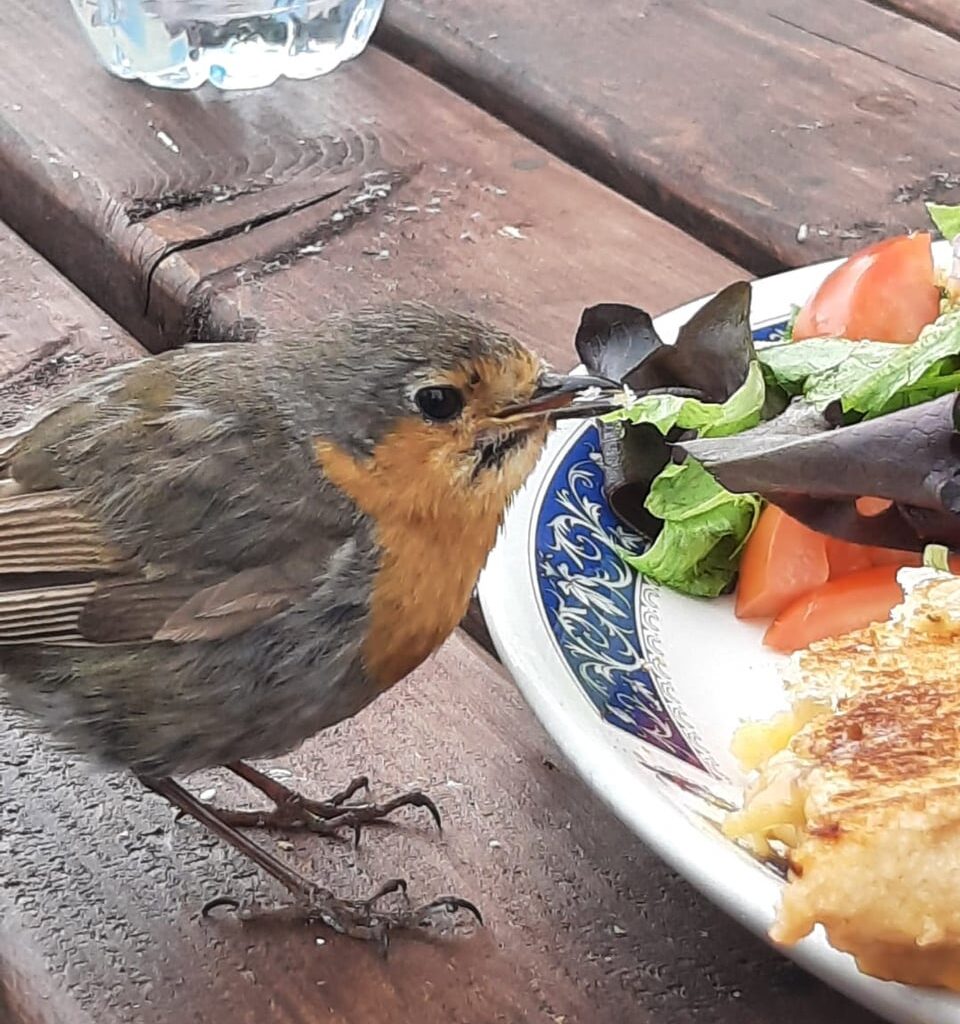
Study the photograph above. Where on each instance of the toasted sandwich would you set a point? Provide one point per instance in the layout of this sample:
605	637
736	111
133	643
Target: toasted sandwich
857	786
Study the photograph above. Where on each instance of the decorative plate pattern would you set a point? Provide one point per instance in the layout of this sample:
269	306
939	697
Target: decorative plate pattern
604	619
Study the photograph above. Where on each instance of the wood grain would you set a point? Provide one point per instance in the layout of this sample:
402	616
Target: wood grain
280	205
51	336
491	224
942	15
583	923
741	121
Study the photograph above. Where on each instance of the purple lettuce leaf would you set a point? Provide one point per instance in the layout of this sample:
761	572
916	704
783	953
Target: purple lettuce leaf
815	472
710	361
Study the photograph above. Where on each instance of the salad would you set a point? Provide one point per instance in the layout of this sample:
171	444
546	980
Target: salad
803	474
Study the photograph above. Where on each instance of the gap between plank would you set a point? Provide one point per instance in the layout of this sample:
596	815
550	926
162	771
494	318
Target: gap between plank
904	11
229	232
399	39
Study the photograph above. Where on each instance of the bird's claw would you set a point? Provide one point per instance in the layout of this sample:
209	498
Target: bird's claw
318	817
361	919
219	901
292	810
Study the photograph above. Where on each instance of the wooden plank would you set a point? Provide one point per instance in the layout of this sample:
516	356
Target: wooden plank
51	336
583	923
942	15
739	121
242	225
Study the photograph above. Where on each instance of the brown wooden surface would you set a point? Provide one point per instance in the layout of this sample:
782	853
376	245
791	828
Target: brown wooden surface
232	231
740	121
943	15
50	335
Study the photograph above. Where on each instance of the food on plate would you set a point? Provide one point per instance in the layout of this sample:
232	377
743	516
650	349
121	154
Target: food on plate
783	560
885	292
709	383
779	469
807	477
816	472
850	602
857	787
845	558
813	586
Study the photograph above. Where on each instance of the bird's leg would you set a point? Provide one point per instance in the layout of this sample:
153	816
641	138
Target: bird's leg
291	810
359	919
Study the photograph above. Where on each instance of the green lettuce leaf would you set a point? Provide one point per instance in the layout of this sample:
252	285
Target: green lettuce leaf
665	411
704	528
946	218
927	364
869	378
802	366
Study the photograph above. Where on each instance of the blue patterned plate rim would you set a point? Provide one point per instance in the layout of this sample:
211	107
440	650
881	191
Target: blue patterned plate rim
592	604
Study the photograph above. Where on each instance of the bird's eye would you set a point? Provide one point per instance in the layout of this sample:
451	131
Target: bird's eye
439	403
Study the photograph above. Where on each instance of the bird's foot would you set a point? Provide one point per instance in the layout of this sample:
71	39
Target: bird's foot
365	919
292	810
359	919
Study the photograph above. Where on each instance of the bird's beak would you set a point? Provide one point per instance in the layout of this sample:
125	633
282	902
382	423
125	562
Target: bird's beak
556	397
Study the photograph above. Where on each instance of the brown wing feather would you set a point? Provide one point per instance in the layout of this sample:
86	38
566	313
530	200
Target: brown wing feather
221	530
48	532
45	535
128	609
238	603
95	611
43	614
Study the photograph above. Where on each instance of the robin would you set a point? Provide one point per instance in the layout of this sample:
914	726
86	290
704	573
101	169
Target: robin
210	555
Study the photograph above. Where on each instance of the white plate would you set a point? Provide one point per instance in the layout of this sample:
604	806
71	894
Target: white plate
642	688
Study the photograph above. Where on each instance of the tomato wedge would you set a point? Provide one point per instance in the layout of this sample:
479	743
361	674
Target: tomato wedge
885	292
838	607
890	556
845	558
782	560
868	506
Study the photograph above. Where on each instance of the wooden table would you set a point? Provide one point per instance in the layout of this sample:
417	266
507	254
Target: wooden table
150	219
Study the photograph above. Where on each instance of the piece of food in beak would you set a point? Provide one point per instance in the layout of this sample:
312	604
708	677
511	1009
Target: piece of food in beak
558	395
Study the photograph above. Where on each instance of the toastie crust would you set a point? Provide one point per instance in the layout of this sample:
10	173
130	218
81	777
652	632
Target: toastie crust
863	798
